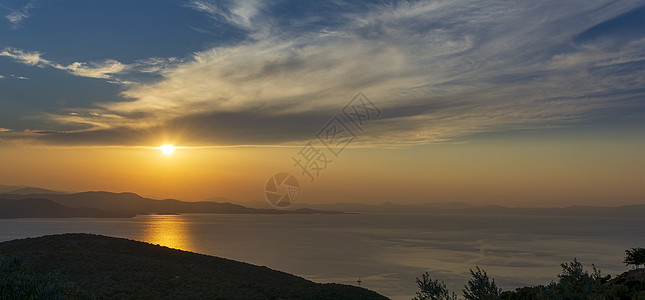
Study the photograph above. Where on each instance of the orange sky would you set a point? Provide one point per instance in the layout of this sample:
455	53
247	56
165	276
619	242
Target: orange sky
531	171
511	103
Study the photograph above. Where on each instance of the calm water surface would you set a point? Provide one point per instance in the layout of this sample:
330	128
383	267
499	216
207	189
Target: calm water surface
387	251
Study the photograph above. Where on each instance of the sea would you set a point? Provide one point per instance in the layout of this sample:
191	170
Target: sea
385	252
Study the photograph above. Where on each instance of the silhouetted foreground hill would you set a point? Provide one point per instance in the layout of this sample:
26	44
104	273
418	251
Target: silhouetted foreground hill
125	205
115	268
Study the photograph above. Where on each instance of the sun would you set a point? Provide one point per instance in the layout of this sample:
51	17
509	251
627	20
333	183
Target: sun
167	149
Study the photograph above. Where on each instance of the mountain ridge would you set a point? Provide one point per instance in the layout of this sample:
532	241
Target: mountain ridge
100	203
129	203
45	208
25	190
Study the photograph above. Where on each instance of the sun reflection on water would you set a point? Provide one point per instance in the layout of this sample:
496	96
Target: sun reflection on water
167	230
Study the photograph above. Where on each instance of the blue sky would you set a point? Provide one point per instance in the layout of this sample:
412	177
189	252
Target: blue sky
122	73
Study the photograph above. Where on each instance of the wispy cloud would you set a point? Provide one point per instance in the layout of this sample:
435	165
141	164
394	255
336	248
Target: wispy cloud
246	15
16	16
439	71
239	13
28	58
154	64
104	69
14	77
107	69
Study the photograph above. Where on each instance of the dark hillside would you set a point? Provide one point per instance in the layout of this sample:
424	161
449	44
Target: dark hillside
115	268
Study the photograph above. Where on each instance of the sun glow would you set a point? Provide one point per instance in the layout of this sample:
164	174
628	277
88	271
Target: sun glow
167	149
167	230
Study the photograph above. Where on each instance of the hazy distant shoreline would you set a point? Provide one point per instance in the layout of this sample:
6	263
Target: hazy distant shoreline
26	202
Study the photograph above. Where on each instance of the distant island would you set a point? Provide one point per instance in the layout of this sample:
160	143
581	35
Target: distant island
461	208
87	266
32	202
28	202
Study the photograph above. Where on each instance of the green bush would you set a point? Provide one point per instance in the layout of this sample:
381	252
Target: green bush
635	257
432	289
481	287
574	283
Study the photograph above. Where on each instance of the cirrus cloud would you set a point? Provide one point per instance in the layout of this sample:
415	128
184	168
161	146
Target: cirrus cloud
439	71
